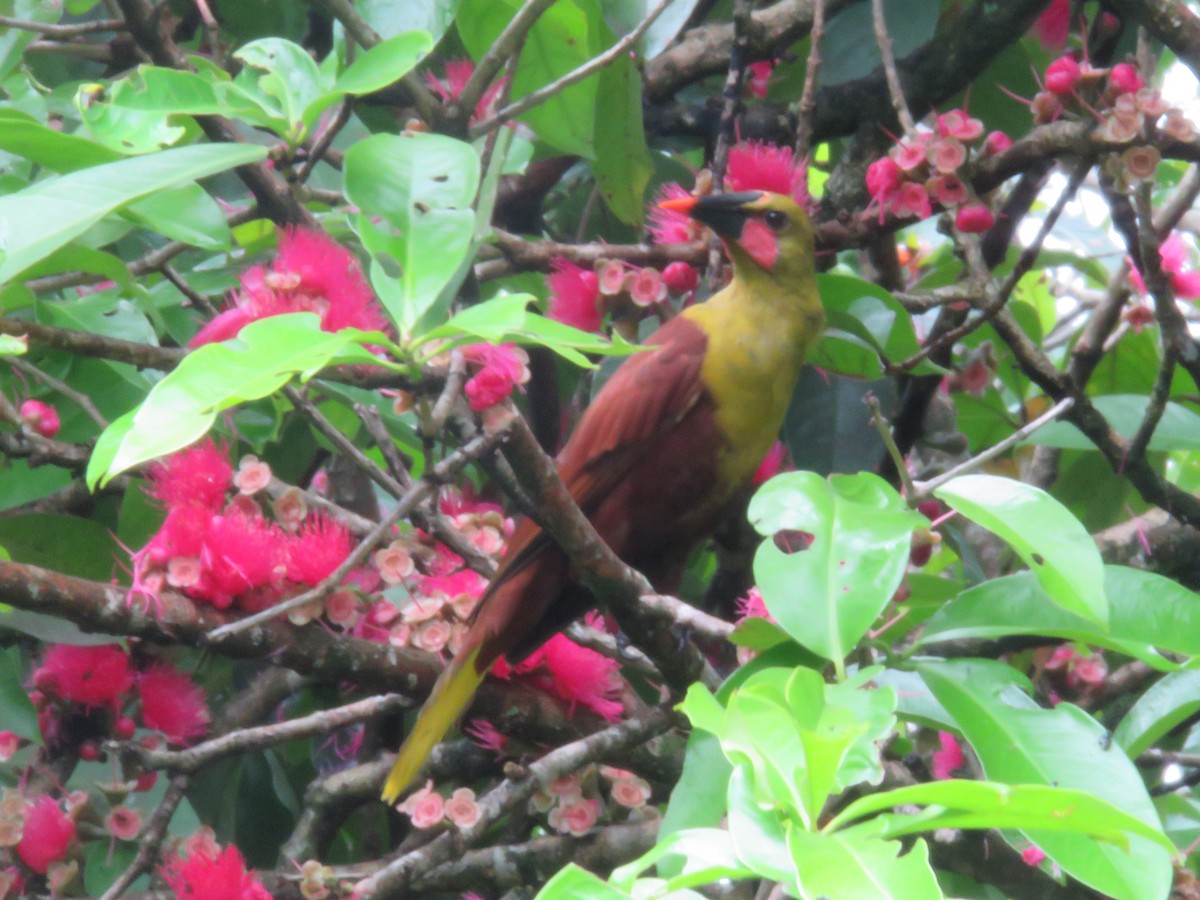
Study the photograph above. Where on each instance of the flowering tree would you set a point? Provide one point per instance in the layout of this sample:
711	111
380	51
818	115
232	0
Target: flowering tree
297	303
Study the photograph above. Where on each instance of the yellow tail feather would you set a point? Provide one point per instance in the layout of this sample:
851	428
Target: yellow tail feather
450	697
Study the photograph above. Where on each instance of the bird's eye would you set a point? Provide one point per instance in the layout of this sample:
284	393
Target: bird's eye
775	219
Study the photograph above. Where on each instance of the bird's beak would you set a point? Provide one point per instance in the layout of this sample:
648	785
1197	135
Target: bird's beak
726	214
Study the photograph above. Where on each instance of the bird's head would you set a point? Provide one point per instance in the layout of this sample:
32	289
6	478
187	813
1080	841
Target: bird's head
760	230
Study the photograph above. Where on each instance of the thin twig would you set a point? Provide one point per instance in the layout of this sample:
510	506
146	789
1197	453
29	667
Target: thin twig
63	31
923	489
324	140
83	401
895	90
885	433
607	58
808	97
506	45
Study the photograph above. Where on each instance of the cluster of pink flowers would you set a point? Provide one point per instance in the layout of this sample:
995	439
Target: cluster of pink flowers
41	418
576	675
581	297
929	167
38	829
312	273
428	808
574	809
104	677
204	870
498	368
219	549
1081	671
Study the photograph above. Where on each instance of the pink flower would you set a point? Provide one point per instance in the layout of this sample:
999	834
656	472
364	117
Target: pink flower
1062	75
1081	669
432	636
458	73
884	177
1150	102
503	367
949	759
47	834
461	808
759	76
394	562
483	734
911	154
668	226
41	417
253	475
574	295
1173	253
946	154
316	551
631	792
1033	855
759	166
610	277
92	676
123	823
752	606
212	874
646	287
199	475
241	553
1123	78
680	278
974	218
574	674
9	743
996	142
576	818
948	190
957	124
172	703
912	200
1053	25
426	807
312	273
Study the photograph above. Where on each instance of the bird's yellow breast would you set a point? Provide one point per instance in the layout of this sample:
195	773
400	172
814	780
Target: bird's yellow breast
757	339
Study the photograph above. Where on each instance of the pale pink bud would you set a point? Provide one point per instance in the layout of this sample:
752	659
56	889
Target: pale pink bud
566	787
946	154
948	190
1178	126
290	508
1151	103
432	636
576	818
611	277
461	808
646	287
394	562
341	607
252	475
631	792
123	823
425	807
996	142
9	742
1140	163
183	571
910	154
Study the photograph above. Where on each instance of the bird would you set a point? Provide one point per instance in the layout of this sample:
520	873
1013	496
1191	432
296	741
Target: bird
669	443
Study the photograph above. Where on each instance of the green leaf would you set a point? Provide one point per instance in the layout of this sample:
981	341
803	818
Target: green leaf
54	211
11	345
860	311
698	797
67	544
858	863
827	596
759	831
1169	702
1178	429
558	42
282	75
16	709
14	40
182	407
626	15
395	17
575	883
507	318
958	803
104	861
708	853
25	136
383	64
1017	742
422	187
1050	540
1147	613
186	214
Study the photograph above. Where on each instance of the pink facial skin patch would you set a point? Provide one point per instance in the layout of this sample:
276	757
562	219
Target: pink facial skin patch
760	243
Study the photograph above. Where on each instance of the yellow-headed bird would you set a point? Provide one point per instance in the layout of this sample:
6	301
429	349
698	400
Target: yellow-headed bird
672	438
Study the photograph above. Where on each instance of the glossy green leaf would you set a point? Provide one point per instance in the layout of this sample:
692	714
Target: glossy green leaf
54	211
282	76
383	64
558	43
626	15
1147	613
104	862
186	214
11	345
23	135
958	803
422	187
1178	429
858	863
758	831
13	41
827	596
575	883
708	853
1169	702
1017	742
507	318
396	17
182	407
1051	541
16	709
871	315
61	543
